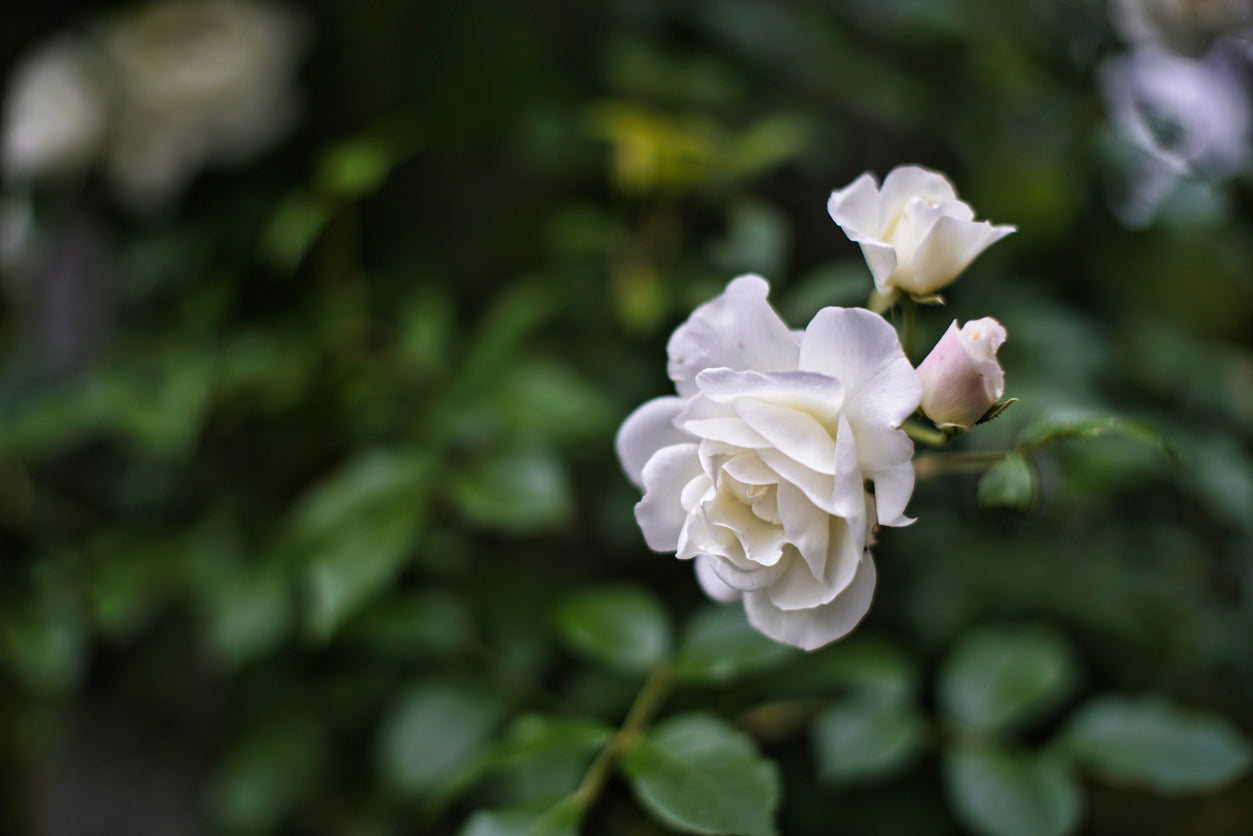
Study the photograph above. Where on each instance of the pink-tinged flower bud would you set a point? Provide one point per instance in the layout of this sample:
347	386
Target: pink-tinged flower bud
961	377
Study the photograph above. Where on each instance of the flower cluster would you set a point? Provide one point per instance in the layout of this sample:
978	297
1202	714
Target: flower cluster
154	96
781	452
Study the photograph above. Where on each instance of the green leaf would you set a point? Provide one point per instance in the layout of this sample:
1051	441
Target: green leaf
413	624
534	735
1067	424
1148	742
44	638
353	532
998	679
1010	483
1000	793
862	666
560	819
134	575
624	627
293	229
354	168
497	342
699	775
520	492
545	400
862	739
433	732
720	645
872	669
265	772
247	609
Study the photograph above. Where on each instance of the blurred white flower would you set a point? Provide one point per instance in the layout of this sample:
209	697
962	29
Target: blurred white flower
1193	115
915	234
757	469
961	377
1188	117
1189	27
56	111
200	82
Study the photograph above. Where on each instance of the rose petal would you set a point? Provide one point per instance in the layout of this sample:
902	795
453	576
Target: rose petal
793	433
647	430
712	584
882	260
856	206
660	513
862	350
761	542
818	394
885	456
737	330
909	181
758	577
948	249
808	527
747	467
812	628
819	488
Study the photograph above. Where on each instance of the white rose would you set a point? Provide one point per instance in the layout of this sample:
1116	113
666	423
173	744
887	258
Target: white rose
757	469
55	112
201	81
915	234
961	377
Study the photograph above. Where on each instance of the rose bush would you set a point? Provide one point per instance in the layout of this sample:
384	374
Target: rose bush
757	468
961	377
916	235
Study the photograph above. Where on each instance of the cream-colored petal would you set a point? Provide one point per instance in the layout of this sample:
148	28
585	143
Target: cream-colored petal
660	513
910	181
647	430
812	628
856	207
862	350
736	330
949	248
712	584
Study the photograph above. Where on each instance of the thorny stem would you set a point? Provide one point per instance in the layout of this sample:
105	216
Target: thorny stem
647	703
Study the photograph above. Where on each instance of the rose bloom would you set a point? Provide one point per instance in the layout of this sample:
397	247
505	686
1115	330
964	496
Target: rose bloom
55	112
201	82
961	377
757	469
916	235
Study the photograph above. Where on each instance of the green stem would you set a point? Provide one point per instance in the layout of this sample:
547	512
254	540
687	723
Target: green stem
940	464
647	703
925	435
909	321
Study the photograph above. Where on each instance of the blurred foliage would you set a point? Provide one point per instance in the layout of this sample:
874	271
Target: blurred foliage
309	514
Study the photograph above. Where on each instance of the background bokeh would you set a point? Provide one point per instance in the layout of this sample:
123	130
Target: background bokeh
300	470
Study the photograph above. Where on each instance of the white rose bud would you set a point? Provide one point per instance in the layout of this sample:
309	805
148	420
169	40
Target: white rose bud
961	378
915	234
